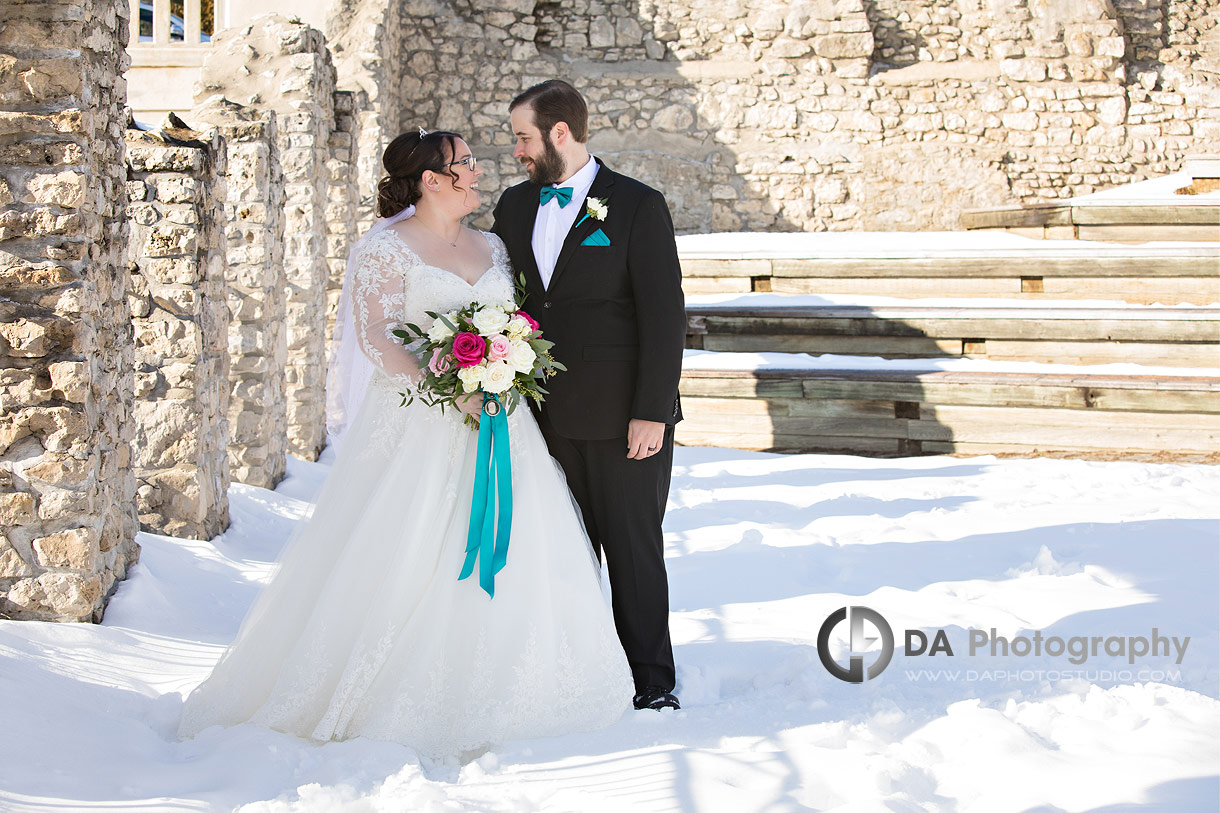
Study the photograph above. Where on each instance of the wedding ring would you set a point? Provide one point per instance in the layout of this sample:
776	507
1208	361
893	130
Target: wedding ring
652	448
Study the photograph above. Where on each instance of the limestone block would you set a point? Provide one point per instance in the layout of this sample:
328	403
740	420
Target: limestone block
1111	46
42	153
71	379
143	214
17	508
844	46
164	159
178	270
12	566
68	472
65	188
20	388
601	33
674	118
75	548
63	596
628	31
169	241
177	190
1112	111
831	191
788	48
27	338
37	223
1021	121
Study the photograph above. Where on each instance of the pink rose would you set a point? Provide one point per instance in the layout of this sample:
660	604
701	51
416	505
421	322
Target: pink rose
498	348
440	363
468	349
528	318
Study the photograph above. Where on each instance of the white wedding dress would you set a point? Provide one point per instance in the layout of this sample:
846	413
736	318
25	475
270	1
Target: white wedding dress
366	631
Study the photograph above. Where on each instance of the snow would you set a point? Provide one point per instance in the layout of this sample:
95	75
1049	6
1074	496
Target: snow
760	549
918	245
718	360
1159	191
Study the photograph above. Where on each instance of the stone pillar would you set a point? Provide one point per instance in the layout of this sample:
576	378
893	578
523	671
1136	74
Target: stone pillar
342	211
258	349
285	66
366	41
177	299
67	518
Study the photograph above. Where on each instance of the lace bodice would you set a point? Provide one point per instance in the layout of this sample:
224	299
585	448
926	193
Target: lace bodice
394	286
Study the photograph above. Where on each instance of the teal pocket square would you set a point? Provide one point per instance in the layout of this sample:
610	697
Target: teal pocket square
597	238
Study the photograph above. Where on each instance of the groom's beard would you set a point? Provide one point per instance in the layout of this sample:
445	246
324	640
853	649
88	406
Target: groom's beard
549	168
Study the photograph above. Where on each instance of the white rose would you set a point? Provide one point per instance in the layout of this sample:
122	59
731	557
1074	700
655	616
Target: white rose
498	377
521	358
471	377
518	328
439	331
489	320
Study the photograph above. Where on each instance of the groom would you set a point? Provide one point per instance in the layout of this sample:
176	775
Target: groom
602	277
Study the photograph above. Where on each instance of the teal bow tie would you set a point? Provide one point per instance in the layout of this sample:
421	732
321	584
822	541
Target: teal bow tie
563	194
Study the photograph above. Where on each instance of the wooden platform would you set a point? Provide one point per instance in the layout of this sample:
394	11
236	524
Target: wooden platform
1165	275
910	413
1173	337
1119	223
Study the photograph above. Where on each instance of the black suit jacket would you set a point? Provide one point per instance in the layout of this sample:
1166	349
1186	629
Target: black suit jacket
615	313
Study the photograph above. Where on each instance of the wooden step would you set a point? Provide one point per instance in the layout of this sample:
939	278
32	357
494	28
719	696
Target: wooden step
1139	274
889	413
1173	337
1122	222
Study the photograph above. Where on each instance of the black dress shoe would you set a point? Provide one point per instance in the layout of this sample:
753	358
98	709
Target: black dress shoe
655	697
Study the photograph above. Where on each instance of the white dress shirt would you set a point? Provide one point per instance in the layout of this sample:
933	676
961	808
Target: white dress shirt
554	223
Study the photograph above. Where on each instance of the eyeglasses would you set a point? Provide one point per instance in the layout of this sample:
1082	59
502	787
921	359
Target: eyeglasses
470	161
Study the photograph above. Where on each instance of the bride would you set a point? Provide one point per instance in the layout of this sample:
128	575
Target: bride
366	630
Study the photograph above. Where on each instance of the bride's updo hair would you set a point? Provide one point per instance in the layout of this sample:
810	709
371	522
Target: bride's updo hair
405	161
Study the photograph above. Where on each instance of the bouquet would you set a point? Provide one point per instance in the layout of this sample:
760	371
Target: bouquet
496	348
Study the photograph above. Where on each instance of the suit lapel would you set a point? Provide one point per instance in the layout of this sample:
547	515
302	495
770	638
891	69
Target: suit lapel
603	182
529	216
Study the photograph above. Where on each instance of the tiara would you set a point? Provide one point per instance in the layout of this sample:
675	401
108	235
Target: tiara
422	132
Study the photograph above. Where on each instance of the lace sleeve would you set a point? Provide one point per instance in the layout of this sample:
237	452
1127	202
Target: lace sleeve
378	302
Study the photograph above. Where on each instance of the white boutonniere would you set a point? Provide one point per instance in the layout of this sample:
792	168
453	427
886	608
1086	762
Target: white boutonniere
596	208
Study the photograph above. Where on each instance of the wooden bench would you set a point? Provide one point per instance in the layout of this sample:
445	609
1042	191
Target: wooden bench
1144	275
892	413
1173	337
1119	223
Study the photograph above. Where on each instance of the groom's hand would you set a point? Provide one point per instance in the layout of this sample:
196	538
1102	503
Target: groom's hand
644	438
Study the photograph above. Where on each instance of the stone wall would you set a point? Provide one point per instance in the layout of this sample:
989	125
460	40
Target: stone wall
364	37
827	114
67	507
343	200
285	67
176	197
258	348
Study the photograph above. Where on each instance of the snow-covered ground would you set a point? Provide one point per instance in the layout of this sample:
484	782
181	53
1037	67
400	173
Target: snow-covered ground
761	549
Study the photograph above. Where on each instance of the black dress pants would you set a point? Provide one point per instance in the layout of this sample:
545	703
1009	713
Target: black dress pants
623	502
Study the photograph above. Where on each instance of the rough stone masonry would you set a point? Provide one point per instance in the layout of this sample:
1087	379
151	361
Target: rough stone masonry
67	489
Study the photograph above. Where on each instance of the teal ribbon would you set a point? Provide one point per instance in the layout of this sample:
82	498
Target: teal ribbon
487	538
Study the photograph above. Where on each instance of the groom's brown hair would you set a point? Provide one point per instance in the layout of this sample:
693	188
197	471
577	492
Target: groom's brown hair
554	101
